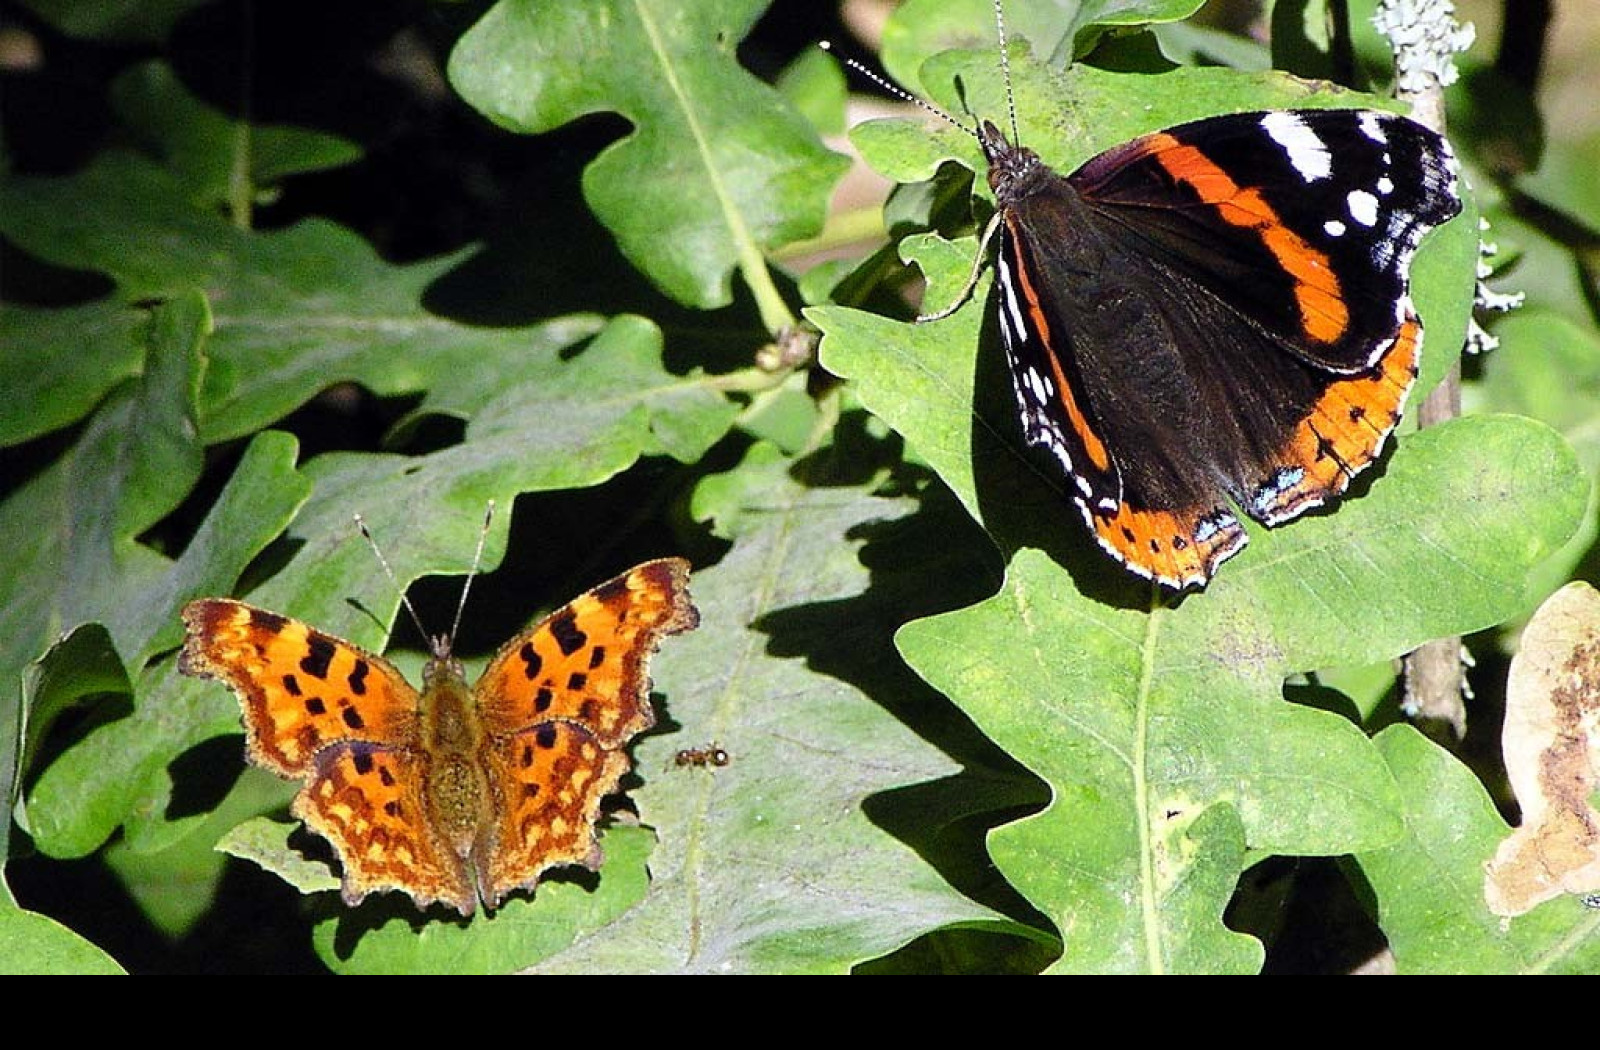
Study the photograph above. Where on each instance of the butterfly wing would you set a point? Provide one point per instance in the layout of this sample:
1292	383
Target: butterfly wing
1298	271
301	689
1099	386
366	800
553	777
1303	221
319	709
559	702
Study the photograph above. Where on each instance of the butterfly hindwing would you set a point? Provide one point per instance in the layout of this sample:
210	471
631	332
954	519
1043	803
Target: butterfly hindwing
368	803
553	777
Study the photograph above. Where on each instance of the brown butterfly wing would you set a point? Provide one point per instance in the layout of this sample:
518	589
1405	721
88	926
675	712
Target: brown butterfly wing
559	702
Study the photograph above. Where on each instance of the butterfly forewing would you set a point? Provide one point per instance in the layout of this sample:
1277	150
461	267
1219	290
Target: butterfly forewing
558	703
1303	221
588	661
301	689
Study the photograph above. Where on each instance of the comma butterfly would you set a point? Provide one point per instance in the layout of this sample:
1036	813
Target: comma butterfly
457	794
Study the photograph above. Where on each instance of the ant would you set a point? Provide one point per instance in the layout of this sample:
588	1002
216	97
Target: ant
710	755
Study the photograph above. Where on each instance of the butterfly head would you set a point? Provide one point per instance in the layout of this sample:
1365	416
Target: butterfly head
1012	169
442	664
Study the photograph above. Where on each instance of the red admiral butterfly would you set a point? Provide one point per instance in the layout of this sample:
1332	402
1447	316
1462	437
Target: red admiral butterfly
1215	313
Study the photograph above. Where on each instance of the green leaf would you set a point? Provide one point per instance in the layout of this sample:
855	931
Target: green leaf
1428	887
71	530
1057	32
814	84
563	424
388	936
1548	367
1096	18
61	362
1139	718
174	877
37	944
119	771
77	670
1137	747
125	217
761	863
1148	718
209	152
920	29
1190	44
295	311
718	169
265	842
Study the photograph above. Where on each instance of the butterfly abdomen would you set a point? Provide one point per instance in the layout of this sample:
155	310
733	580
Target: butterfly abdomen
455	783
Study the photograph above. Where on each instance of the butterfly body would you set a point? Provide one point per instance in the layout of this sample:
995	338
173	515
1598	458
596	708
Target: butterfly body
456	794
455	764
1215	316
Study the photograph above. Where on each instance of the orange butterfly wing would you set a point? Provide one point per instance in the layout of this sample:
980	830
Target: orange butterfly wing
367	801
558	703
319	709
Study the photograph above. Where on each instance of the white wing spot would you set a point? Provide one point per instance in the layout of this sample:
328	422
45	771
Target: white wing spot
1333	228
1363	207
1371	126
1008	295
1307	154
1038	385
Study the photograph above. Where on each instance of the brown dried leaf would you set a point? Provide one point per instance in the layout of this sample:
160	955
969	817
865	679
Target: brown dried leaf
1552	757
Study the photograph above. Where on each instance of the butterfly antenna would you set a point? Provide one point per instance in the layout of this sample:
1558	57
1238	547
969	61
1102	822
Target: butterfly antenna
405	599
896	90
1005	67
477	559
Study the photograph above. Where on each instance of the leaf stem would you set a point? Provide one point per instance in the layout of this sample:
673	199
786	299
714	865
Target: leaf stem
849	228
1425	35
775	313
1150	905
241	194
